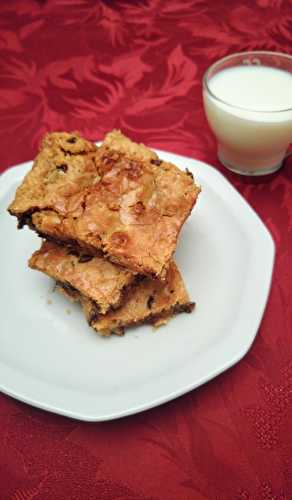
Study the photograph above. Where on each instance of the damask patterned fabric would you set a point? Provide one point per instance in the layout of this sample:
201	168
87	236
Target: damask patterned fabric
92	65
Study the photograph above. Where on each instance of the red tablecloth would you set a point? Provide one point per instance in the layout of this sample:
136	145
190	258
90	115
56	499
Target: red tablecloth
137	65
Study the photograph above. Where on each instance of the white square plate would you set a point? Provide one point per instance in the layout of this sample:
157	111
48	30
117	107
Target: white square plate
51	359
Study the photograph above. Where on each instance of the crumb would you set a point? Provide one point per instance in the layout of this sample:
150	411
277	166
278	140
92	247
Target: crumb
68	311
49	301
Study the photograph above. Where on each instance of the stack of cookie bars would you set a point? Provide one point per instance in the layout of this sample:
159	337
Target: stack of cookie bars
109	217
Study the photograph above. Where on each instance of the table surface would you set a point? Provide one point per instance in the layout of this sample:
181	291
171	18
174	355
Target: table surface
92	65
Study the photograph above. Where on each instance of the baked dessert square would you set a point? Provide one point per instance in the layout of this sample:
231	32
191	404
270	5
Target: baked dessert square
93	278
119	200
150	301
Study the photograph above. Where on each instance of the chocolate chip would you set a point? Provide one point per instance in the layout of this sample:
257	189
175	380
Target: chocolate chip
188	307
85	258
189	173
71	251
25	219
150	301
156	162
63	167
138	208
72	140
67	287
94	313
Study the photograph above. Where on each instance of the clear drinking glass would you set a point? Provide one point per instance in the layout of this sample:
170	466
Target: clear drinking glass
250	141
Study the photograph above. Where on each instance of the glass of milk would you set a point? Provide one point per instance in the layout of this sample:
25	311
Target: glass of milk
248	103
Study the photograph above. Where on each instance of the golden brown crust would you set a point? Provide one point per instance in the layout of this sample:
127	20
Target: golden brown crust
119	199
93	277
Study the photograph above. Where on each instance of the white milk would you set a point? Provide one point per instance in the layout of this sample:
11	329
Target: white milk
255	134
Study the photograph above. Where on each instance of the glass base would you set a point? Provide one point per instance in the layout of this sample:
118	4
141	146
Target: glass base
254	172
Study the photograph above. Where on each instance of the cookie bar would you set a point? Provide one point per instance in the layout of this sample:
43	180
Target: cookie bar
119	200
93	278
151	301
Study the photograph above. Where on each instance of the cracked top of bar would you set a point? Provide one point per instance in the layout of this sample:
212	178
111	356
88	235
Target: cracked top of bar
94	277
118	200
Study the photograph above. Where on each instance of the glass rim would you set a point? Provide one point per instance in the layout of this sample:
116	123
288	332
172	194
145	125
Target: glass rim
206	78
